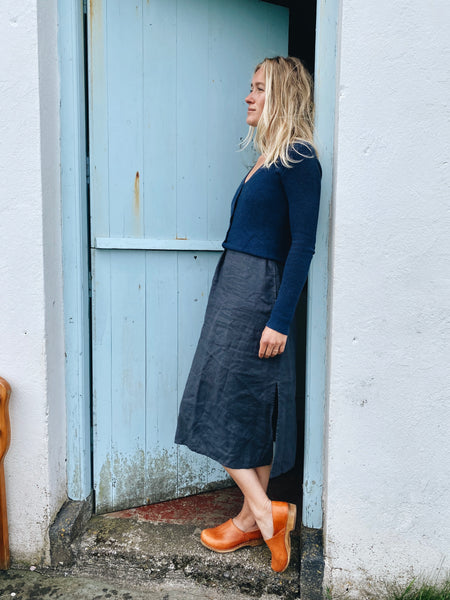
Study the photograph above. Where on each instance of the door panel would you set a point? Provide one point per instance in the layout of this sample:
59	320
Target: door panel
167	80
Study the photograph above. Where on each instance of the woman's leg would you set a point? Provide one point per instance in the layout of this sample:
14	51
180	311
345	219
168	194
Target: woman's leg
245	520
275	520
256	498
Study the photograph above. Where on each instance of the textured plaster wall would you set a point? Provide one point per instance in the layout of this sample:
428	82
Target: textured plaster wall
31	331
386	501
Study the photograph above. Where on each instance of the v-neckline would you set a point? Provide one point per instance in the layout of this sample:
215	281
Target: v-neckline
247	178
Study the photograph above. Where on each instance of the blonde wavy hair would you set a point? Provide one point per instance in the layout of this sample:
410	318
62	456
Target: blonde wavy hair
288	113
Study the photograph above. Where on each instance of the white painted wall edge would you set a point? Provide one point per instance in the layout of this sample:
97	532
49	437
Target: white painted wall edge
31	353
387	515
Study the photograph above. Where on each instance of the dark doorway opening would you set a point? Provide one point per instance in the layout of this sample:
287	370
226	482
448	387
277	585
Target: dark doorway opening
302	29
302	39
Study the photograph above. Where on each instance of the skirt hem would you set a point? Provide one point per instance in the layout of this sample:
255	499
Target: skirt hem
223	463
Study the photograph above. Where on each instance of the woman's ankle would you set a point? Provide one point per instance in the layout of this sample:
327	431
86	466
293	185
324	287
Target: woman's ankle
264	520
245	522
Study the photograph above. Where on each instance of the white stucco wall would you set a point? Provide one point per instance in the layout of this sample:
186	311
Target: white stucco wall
387	490
31	331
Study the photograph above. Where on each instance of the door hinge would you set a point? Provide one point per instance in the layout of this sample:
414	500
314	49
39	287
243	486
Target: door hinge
85	7
88	170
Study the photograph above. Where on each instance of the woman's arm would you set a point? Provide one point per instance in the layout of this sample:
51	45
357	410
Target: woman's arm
301	184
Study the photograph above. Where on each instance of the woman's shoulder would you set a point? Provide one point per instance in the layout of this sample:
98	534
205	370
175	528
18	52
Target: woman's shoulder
301	155
301	149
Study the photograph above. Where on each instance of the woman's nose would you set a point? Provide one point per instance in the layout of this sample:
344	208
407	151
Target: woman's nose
249	99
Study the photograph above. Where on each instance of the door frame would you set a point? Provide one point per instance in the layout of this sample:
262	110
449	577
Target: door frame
75	245
75	241
325	83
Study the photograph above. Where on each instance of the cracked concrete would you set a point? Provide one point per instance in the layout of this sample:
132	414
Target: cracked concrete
46	585
128	559
141	552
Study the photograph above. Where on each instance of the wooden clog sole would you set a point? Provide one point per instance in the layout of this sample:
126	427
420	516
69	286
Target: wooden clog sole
290	524
258	542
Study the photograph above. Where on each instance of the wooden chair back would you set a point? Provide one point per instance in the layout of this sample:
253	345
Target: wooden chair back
5	438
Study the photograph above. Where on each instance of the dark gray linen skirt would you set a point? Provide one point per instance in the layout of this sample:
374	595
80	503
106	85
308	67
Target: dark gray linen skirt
236	404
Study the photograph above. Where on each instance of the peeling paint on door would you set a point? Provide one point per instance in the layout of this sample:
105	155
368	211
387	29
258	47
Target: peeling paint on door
173	181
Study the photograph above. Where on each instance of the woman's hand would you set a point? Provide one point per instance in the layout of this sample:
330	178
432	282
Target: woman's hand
272	343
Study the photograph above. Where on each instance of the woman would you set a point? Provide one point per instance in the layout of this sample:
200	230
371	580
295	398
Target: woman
240	394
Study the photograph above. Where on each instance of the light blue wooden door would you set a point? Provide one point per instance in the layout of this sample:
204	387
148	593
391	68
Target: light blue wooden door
167	80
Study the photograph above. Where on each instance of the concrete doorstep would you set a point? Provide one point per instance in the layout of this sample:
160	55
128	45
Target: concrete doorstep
138	551
48	585
137	554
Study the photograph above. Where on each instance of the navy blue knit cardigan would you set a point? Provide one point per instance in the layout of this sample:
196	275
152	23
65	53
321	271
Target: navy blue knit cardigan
274	215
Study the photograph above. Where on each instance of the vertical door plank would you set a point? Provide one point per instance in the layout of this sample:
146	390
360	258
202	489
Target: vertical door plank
125	74
99	119
230	66
216	476
192	110
274	32
258	29
161	382
160	118
193	288
101	381
128	377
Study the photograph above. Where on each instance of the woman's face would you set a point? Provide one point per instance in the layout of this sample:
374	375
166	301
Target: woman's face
256	98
